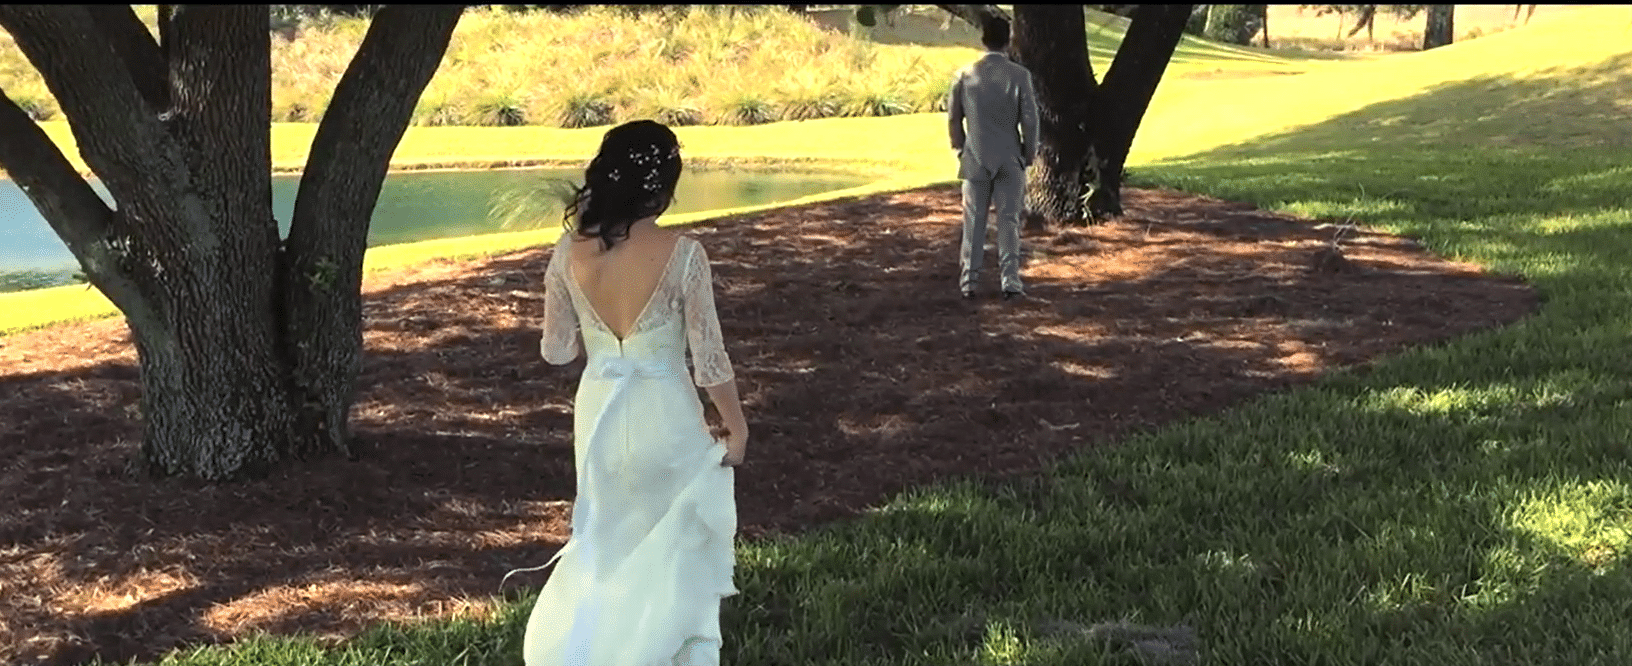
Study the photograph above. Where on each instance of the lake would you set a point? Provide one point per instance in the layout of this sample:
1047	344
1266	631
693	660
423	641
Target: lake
413	206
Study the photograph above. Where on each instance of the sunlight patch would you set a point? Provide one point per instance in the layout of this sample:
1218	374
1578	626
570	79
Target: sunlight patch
111	596
1591	522
1314	461
1555	391
1619	176
387	601
1085	370
1360	207
1236	563
1002	645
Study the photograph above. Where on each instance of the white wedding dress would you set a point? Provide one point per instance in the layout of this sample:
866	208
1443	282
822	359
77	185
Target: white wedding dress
639	582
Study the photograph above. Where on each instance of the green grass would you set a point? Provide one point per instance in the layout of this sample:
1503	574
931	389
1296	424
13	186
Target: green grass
1465	503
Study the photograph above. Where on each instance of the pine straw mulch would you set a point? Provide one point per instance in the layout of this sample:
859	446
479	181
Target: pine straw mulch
863	370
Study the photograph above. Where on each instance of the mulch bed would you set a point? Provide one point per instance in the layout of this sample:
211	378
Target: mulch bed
863	371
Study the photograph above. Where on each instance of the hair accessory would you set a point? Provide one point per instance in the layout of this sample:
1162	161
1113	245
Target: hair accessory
652	158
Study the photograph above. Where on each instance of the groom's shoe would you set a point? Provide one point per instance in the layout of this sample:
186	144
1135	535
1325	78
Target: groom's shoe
968	294
1011	295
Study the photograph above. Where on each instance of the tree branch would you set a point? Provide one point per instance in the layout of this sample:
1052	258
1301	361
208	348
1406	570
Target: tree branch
118	136
1130	82
221	97
368	115
68	204
138	52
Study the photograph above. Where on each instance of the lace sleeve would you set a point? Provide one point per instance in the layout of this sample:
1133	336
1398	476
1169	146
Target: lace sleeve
710	364
562	340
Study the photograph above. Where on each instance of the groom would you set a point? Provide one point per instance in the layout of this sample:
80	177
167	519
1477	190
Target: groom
994	97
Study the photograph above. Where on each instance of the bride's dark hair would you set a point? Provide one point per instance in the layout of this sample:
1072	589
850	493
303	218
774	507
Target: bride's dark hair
632	177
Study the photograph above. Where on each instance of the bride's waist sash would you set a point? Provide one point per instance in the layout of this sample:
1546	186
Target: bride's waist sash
614	368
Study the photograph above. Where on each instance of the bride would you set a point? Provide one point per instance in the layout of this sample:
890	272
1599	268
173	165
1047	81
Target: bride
640	581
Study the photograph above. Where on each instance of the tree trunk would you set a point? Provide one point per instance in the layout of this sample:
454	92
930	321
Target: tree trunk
1366	16
232	368
1129	85
1049	40
1263	23
1439	32
322	260
1232	24
1077	175
216	405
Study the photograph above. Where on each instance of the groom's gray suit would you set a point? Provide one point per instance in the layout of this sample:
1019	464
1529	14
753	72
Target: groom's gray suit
994	96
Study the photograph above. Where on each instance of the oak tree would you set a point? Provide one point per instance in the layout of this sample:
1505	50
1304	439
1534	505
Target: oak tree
248	344
1088	126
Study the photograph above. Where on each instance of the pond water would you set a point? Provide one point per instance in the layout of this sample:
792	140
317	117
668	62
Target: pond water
415	206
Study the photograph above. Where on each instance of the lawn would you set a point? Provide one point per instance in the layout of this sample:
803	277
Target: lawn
1464	503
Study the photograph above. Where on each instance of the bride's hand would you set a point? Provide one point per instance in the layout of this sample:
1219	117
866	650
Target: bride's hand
736	446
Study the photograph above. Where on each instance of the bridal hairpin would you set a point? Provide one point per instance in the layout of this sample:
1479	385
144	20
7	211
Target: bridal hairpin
652	158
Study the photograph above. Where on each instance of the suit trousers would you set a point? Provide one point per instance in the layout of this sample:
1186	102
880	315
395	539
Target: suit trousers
1006	187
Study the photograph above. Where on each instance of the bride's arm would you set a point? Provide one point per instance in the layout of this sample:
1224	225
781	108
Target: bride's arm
725	398
562	341
711	365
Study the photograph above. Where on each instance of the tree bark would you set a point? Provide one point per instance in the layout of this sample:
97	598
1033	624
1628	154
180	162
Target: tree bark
1050	41
190	255
1129	85
1439	32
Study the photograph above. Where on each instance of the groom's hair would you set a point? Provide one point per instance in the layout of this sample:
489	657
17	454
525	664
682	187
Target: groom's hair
994	33
632	177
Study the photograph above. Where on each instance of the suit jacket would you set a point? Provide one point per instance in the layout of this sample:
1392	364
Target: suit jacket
995	98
